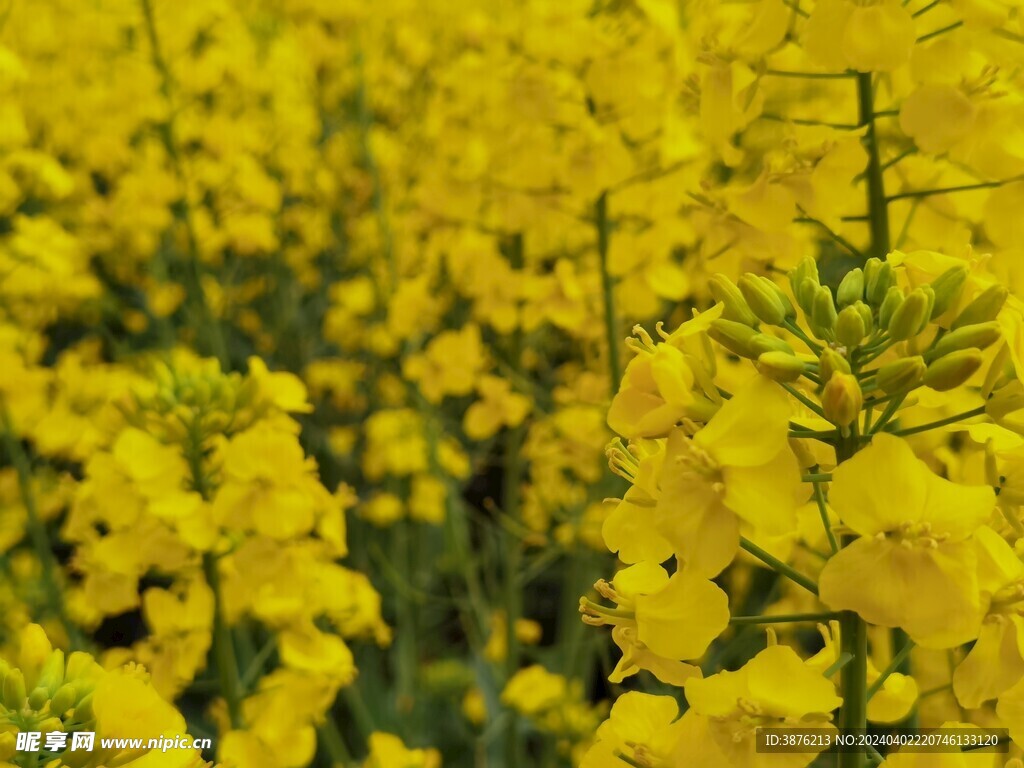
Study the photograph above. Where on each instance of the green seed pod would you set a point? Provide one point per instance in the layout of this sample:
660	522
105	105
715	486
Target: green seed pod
979	335
63	700
901	375
736	308
763	342
830	363
892	301
764	301
841	400
911	316
850	329
780	366
14	690
953	369
879	283
948	287
823	314
984	307
733	336
851	289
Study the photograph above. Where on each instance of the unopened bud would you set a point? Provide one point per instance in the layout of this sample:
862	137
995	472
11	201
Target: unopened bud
830	363
878	282
805	295
63	700
807	269
14	690
779	366
763	297
948	287
911	316
763	342
51	677
867	316
984	307
851	288
892	301
736	308
850	329
953	369
901	375
38	698
733	336
841	400
979	335
823	313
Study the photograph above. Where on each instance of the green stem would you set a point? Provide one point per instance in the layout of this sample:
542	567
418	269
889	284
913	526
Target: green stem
611	323
39	536
223	649
894	665
778	566
334	743
208	326
878	211
980	410
819	497
799	333
782	618
888	413
811	405
947	190
818	477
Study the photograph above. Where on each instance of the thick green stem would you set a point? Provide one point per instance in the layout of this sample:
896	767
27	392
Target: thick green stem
208	330
611	323
511	504
223	649
853	640
878	211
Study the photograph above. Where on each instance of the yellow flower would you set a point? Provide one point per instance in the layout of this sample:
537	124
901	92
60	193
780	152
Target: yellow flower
775	689
641	727
914	565
388	751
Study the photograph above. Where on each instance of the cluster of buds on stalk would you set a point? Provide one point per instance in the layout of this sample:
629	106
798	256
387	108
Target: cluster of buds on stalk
870	340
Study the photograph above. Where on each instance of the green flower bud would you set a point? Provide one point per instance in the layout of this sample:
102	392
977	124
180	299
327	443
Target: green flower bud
733	336
38	698
871	269
850	329
763	297
736	308
780	366
979	335
807	269
878	283
867	316
984	307
823	313
63	700
83	710
948	287
841	400
763	342
901	375
851	289
911	316
52	674
892	301
805	295
953	369
14	690
830	363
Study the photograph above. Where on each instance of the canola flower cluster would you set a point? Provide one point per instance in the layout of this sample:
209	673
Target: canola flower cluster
311	331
